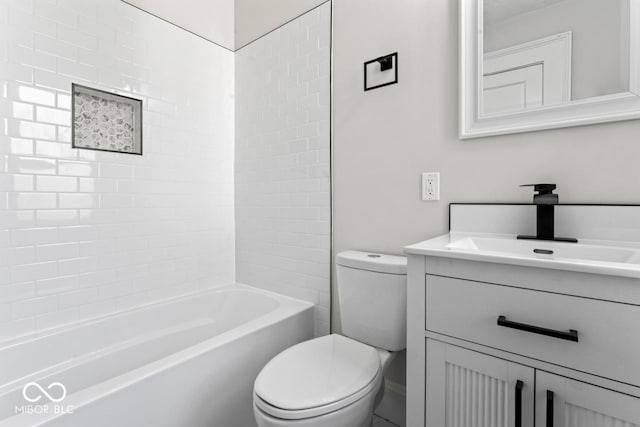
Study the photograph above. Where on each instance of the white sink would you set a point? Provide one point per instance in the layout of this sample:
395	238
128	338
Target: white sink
587	256
548	250
608	239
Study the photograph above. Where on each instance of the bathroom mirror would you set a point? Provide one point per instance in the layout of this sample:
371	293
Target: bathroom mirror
539	64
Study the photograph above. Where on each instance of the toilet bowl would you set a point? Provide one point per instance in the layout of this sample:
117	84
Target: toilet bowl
338	380
327	381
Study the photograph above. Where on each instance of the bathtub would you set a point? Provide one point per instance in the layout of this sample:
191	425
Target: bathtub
186	362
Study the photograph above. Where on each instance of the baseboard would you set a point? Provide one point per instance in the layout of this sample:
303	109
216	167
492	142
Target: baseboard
394	404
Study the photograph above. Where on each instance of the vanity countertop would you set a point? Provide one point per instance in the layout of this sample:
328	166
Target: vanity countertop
613	258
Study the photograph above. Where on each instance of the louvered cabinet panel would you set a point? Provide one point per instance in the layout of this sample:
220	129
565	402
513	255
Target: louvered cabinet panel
474	398
470	389
563	402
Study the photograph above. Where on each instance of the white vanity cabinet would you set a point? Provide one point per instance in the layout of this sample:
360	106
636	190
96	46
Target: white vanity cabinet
469	388
562	401
498	345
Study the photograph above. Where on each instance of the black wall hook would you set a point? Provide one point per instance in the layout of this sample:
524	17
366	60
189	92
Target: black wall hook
386	62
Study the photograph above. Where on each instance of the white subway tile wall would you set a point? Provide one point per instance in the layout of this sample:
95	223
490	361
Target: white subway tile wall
85	233
282	162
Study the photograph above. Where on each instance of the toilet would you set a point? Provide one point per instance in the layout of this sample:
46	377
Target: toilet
338	380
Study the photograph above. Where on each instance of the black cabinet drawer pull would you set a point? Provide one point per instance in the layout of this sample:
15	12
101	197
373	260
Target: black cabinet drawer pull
572	335
549	408
518	411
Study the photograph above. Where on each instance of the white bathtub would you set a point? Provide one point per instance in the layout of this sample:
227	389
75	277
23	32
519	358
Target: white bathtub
187	362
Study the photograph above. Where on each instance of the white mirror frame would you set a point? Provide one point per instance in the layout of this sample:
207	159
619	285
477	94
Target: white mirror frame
609	108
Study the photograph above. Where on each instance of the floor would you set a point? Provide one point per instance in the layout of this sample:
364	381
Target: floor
381	422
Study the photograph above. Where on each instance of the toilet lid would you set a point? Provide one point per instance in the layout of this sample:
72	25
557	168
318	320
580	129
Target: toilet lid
317	373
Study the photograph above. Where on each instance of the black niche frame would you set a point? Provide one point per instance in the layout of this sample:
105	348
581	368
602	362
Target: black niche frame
138	108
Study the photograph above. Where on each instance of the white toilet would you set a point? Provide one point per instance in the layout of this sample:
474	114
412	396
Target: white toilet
336	380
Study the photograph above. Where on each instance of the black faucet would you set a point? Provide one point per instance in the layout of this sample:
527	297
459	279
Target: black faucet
545	202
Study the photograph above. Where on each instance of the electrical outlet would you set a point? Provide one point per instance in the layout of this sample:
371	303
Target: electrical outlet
431	186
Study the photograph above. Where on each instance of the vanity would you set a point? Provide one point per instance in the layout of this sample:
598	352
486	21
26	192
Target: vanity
523	332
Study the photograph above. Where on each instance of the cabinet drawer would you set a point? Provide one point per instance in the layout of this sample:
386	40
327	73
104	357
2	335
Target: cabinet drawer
608	333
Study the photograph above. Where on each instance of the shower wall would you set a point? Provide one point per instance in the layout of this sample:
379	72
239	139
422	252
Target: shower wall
84	233
282	178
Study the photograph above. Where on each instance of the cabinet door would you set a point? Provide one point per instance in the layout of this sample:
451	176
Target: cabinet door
563	402
469	389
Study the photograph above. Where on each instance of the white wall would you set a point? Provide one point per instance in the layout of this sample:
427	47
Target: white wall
84	233
230	23
211	19
282	162
255	18
383	139
600	47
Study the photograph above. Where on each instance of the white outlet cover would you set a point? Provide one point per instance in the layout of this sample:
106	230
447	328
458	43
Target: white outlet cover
431	186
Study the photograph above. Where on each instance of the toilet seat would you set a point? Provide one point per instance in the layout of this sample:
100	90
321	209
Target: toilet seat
288	414
317	377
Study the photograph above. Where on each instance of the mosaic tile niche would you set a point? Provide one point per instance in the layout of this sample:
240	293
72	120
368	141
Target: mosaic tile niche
106	121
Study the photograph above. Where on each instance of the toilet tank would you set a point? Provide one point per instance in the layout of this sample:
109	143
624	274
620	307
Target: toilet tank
372	295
